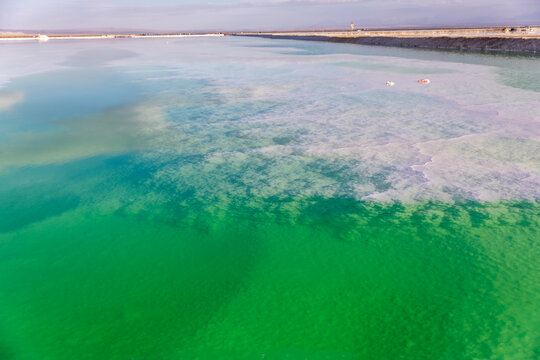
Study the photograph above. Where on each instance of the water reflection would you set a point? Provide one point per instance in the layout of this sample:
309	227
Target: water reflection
9	99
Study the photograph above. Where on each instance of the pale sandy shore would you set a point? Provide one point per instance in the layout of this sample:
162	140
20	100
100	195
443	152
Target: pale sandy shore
507	39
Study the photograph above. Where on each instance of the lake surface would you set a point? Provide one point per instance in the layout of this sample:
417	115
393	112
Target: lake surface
242	198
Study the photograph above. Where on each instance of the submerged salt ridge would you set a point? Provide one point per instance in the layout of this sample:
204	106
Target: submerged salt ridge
320	124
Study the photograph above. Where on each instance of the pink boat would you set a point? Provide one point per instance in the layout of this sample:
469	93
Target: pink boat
424	81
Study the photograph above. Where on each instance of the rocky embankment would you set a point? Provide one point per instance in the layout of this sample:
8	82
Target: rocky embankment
478	43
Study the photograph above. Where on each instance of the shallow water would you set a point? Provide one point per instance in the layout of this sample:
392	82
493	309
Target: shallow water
248	198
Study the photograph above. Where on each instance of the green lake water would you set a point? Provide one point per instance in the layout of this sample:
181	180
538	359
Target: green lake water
262	199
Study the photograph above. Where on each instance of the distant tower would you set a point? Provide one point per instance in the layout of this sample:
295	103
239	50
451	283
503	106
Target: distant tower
352	26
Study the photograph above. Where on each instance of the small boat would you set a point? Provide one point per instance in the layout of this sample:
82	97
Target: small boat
424	81
390	83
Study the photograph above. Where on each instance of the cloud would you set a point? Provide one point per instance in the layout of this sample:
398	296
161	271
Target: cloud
230	15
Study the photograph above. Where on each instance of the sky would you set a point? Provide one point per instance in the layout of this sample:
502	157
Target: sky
230	15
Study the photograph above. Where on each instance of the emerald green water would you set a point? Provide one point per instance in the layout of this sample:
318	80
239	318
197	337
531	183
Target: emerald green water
159	202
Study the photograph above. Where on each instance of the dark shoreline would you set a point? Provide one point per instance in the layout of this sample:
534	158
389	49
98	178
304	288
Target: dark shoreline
491	44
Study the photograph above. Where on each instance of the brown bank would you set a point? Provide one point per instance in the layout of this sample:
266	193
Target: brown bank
526	39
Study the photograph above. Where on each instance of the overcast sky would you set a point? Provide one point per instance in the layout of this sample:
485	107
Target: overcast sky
192	15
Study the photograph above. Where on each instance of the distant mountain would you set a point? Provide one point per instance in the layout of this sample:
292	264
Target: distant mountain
8	32
12	33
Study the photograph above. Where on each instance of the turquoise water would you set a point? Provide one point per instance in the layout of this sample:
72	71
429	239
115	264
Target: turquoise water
245	198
